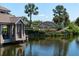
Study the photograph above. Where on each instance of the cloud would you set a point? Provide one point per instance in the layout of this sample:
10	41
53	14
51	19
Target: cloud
41	15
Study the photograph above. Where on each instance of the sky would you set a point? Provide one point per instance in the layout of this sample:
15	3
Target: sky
45	10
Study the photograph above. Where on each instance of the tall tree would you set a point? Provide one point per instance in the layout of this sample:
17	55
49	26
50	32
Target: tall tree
31	9
77	21
61	17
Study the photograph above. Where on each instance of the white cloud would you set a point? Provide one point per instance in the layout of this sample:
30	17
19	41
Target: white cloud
41	15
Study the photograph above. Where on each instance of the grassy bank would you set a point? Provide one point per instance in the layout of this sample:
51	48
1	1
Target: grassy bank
35	33
46	33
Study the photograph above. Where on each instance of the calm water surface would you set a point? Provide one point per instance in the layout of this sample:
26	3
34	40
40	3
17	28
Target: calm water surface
55	46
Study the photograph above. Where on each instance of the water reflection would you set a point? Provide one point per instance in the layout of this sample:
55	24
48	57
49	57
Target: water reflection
60	48
49	46
15	50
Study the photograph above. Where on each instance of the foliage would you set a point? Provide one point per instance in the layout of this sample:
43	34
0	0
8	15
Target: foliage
77	21
36	23
61	17
4	30
31	9
25	19
73	28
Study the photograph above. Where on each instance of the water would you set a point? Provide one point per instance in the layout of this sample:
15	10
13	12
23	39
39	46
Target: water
49	46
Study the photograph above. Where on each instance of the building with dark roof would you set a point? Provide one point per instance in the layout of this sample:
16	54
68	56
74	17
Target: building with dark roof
47	25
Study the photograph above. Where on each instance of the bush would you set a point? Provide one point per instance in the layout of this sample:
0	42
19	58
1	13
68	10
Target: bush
73	28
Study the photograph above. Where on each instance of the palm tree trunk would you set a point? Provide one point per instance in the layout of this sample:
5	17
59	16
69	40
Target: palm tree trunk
30	48
30	20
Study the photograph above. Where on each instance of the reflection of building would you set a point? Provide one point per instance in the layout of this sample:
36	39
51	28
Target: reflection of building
1	51
11	27
12	51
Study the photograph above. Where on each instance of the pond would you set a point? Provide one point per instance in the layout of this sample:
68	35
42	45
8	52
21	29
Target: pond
49	46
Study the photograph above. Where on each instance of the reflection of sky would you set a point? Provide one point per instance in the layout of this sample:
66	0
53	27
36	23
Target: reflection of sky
44	50
73	49
39	49
27	49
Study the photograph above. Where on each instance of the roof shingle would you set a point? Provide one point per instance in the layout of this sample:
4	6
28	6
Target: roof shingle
4	9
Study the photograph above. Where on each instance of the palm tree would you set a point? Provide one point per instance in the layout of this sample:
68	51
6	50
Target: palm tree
61	17
31	9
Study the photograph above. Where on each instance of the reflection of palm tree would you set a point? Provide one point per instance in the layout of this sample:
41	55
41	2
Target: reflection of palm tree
61	48
30	48
57	49
65	49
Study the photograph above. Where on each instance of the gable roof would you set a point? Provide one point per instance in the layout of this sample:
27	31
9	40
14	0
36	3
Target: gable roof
8	18
4	9
16	20
5	18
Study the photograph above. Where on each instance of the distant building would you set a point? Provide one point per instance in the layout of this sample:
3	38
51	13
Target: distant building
11	27
47	25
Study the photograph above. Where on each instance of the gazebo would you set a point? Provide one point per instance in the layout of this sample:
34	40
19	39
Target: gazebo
11	27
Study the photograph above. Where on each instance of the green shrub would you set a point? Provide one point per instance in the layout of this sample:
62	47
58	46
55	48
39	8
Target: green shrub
73	28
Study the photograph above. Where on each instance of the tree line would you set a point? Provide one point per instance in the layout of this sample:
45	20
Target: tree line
61	16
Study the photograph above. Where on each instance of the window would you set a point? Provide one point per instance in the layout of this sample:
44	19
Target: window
19	30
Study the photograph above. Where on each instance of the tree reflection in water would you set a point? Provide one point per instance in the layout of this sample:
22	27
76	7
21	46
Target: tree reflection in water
60	48
30	52
57	46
